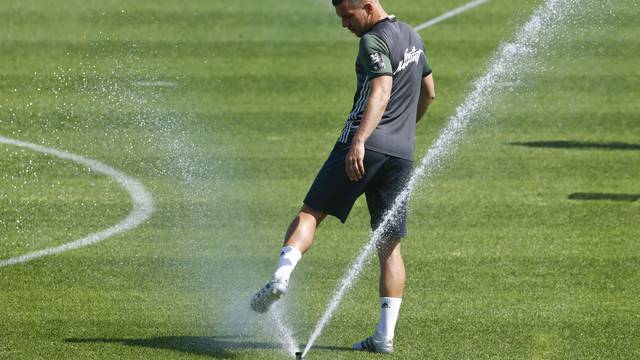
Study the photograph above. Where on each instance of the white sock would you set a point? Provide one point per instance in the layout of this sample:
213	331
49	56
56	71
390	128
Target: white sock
389	310
289	257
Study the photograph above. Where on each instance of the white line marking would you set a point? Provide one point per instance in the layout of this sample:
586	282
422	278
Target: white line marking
142	203
450	14
159	83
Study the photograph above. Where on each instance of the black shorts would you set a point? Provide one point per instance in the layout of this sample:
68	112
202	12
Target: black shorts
385	176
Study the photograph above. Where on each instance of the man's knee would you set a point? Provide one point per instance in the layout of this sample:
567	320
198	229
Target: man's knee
307	213
388	247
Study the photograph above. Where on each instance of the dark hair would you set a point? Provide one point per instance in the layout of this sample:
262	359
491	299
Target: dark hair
338	2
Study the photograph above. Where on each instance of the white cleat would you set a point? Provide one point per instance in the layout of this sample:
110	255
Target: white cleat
269	294
372	344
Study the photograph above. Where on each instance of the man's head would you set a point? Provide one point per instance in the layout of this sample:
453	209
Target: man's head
359	16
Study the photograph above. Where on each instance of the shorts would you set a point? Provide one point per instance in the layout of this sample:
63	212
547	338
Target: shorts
385	177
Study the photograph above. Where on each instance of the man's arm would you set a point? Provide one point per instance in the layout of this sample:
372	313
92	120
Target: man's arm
376	105
427	95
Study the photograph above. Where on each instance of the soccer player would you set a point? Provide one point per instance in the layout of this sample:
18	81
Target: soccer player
373	155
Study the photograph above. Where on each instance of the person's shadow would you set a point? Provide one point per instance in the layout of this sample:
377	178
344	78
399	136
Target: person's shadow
578	145
588	145
220	347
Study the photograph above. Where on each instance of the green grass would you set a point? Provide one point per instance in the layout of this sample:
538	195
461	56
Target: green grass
501	262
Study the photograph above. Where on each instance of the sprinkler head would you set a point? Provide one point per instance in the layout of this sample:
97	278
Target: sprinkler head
299	355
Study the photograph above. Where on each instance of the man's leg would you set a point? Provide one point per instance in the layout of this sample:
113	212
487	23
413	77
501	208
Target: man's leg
382	193
297	241
392	275
302	230
392	279
334	194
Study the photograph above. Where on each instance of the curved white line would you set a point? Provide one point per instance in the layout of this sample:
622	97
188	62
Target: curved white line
142	203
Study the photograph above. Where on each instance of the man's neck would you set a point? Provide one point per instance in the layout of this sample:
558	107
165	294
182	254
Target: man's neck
379	15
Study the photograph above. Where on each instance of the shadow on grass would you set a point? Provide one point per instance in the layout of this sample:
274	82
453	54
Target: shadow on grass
606	197
220	347
581	145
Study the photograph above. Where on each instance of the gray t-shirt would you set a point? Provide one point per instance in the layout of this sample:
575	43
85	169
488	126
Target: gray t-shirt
390	48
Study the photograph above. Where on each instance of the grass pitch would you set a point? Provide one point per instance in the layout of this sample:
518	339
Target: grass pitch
524	247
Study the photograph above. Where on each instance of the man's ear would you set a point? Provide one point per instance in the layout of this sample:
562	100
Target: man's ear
368	7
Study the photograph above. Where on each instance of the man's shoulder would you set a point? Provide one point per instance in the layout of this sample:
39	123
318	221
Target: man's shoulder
370	37
391	30
373	40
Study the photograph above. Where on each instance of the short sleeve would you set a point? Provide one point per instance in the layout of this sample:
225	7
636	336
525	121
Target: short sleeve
374	56
427	68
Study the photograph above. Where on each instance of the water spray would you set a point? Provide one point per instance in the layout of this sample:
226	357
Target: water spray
285	333
509	64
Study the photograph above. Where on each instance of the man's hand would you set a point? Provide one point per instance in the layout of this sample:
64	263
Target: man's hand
354	165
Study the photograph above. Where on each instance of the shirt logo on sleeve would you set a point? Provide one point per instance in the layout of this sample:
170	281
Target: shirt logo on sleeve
410	56
377	63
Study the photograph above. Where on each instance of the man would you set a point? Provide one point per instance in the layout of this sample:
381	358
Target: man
373	155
